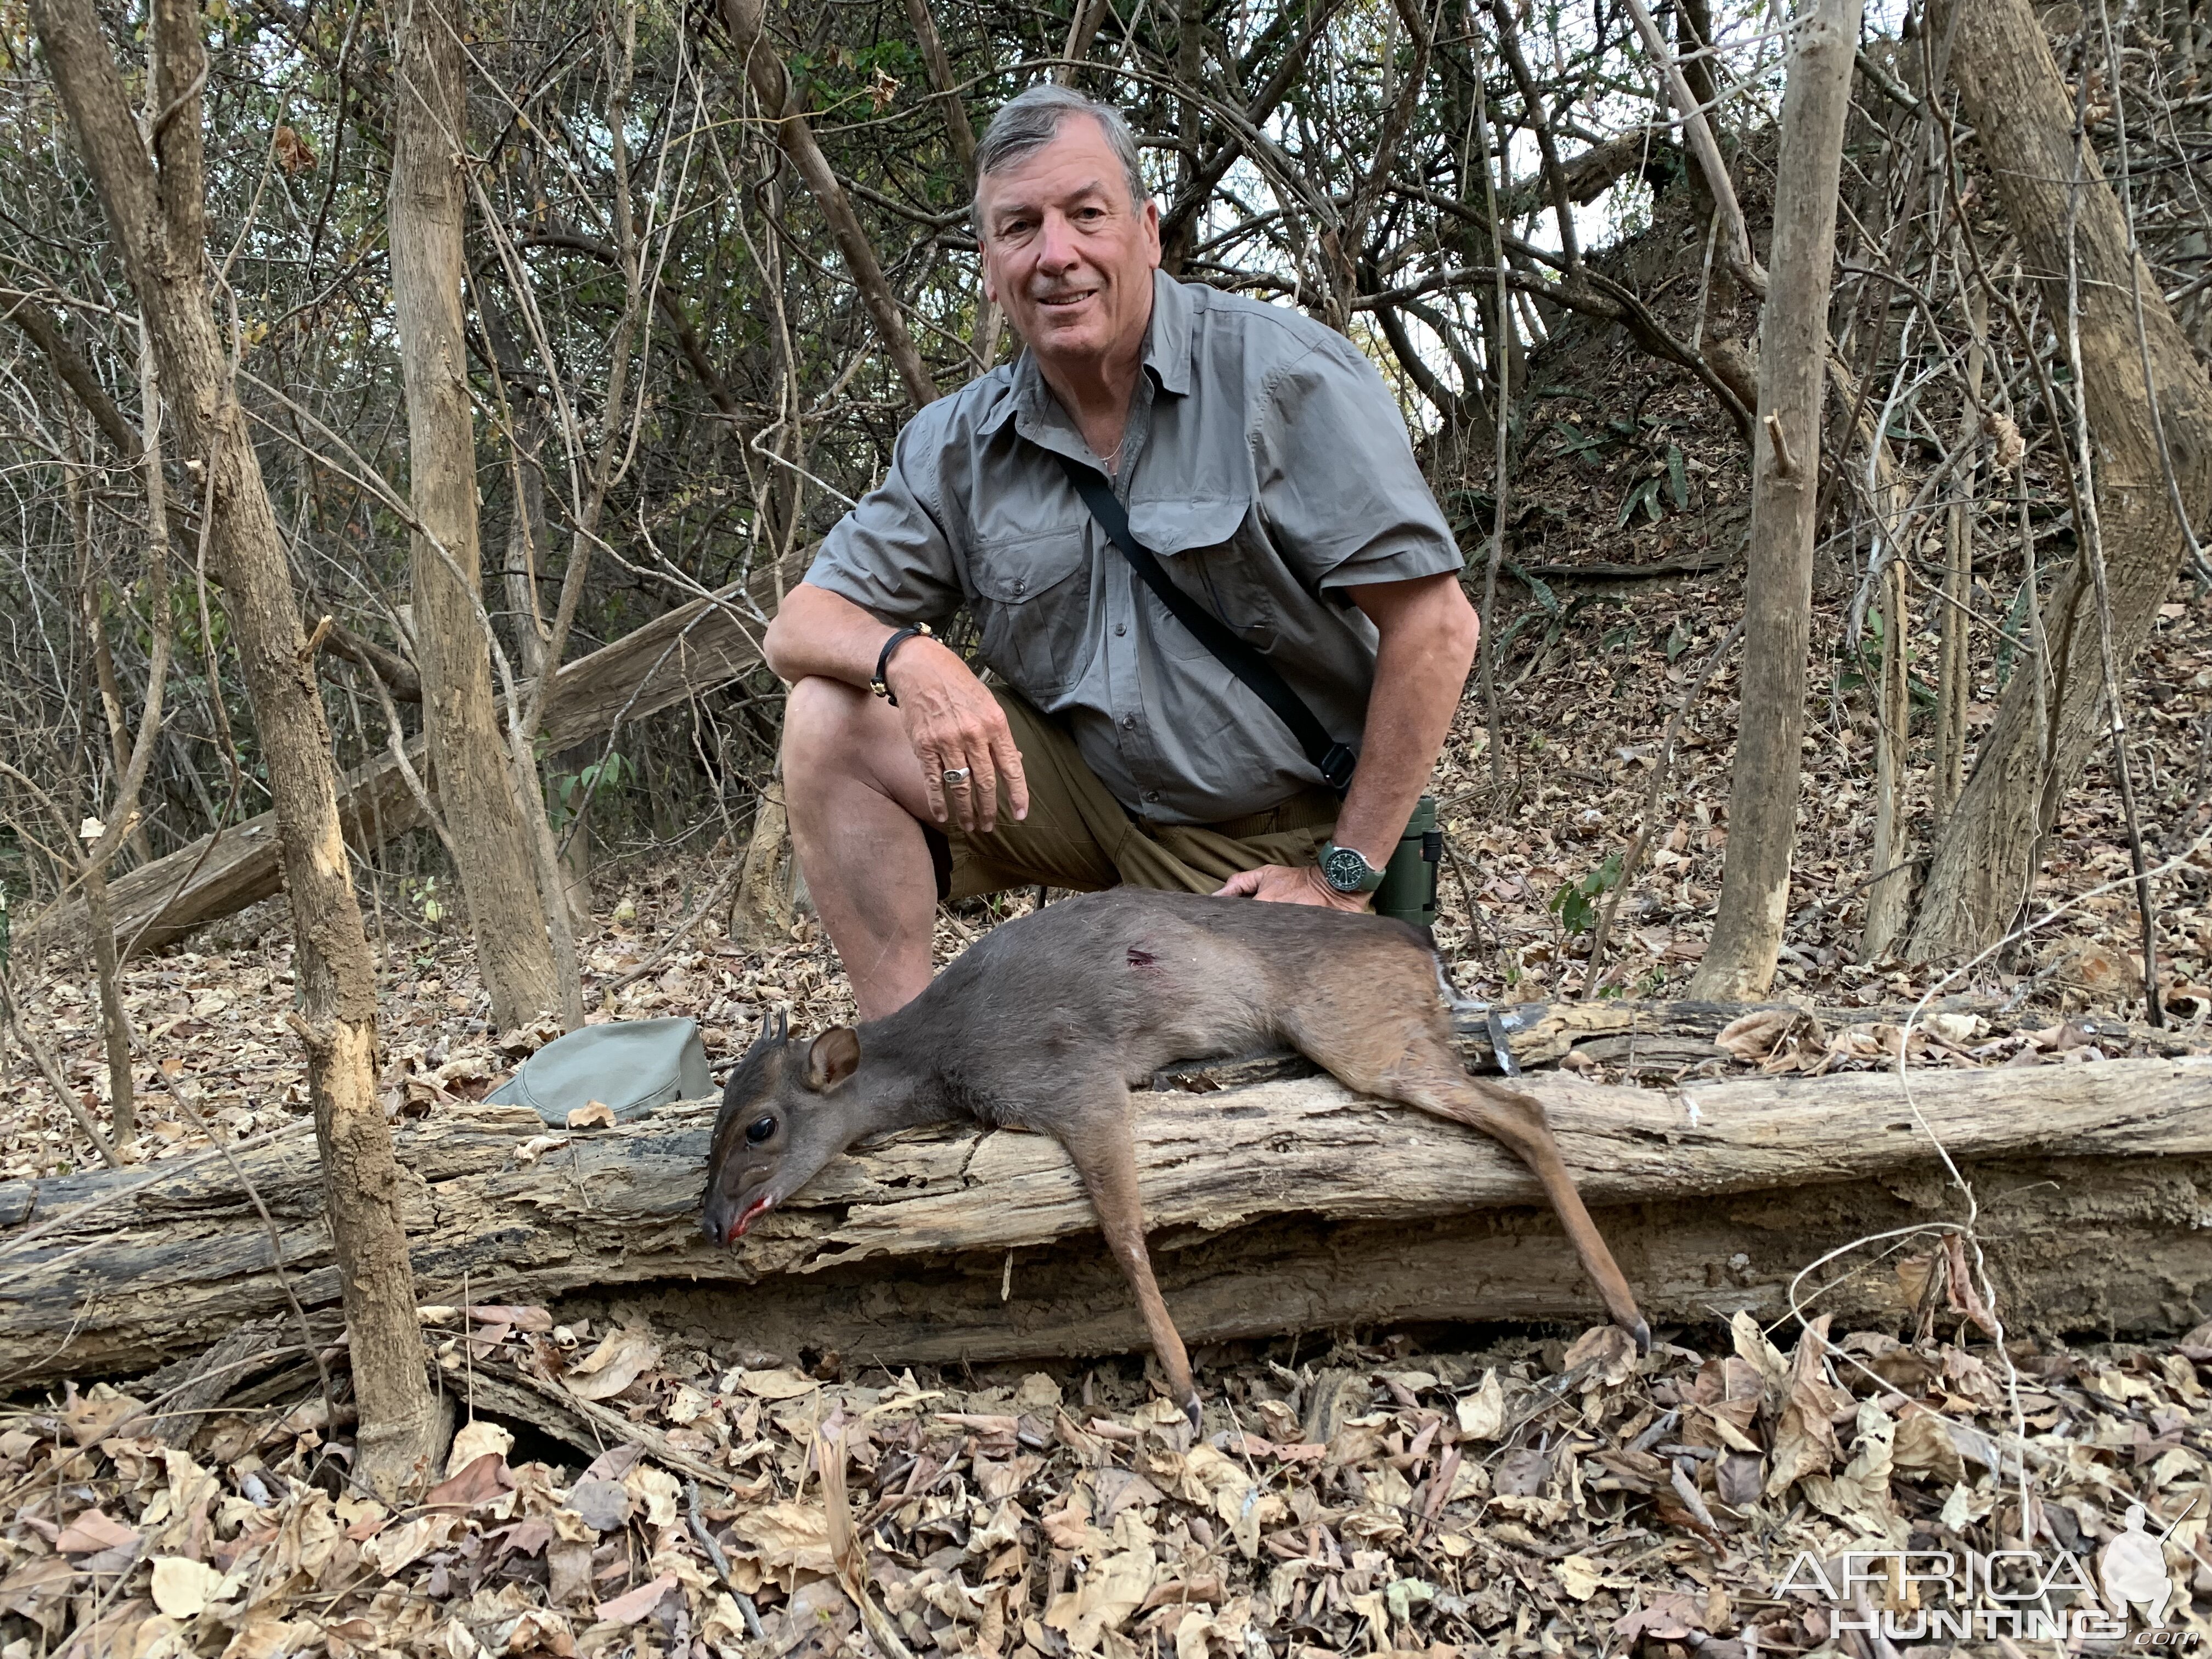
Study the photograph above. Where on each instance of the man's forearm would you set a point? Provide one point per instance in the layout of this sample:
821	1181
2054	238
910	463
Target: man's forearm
1420	669
818	633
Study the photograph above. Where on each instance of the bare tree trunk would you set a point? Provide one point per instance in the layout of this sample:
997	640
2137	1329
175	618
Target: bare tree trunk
114	1020
506	913
525	535
780	102
1889	895
989	319
1793	340
110	703
1081	26
1954	690
761	912
155	209
2023	117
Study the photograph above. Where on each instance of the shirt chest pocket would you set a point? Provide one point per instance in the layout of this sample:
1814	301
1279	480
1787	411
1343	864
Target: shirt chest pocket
1208	551
1032	603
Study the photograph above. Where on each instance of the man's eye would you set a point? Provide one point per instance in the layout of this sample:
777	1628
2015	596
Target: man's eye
759	1131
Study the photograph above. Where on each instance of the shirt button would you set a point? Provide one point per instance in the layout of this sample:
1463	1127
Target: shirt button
1152	794
1128	722
1120	628
1020	582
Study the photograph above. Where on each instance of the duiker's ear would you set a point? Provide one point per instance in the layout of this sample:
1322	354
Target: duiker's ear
831	1057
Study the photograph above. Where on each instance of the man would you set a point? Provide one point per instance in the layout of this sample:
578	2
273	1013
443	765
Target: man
1257	454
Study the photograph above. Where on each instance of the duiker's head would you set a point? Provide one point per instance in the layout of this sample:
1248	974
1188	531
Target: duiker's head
783	1117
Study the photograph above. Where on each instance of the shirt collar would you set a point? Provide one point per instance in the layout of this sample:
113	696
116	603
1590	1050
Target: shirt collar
1167	340
1167	355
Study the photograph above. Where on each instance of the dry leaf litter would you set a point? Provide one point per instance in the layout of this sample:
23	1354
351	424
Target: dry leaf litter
1537	1498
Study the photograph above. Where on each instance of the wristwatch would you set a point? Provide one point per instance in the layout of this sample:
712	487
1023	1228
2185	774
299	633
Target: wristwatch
1347	871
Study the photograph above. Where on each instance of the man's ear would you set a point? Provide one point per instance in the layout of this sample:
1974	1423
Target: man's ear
831	1057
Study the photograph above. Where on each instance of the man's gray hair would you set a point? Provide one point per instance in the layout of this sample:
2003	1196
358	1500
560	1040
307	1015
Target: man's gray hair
1031	119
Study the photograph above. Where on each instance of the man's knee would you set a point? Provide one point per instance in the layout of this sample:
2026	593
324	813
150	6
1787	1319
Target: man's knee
835	734
823	724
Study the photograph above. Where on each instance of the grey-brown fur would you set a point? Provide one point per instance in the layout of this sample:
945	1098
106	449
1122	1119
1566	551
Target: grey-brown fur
1045	1022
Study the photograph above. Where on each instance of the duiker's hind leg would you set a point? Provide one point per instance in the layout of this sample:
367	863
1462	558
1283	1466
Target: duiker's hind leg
1104	1154
1515	1121
1391	1038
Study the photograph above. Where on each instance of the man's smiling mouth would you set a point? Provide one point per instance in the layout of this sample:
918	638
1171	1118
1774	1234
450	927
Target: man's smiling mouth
1056	302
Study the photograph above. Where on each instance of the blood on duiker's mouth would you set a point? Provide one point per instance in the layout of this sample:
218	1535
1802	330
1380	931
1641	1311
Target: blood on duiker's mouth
751	1213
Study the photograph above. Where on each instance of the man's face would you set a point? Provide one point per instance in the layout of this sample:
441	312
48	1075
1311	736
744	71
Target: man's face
1066	252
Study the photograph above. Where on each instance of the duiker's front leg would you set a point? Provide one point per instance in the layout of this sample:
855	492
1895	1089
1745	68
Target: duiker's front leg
1105	1156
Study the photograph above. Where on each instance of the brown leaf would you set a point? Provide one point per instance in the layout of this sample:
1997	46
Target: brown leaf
521	1317
485	1480
1724	1404
1640	1472
628	1608
1120	1489
1609	1351
568	1572
90	1421
604	1504
1666	1616
621	1358
1805	1440
1523	1474
1736	1478
1925	1450
1751	1038
92	1532
39	1590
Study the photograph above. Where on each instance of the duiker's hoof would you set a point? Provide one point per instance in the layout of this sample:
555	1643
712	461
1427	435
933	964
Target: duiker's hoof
1641	1330
1190	1410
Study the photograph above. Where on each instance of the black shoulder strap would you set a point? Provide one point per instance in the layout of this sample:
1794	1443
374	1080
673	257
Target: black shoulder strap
1331	758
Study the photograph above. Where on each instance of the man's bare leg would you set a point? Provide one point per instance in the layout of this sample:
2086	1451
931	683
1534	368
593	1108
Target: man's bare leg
854	793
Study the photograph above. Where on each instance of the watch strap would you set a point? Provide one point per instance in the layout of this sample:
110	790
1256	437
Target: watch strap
1368	883
875	682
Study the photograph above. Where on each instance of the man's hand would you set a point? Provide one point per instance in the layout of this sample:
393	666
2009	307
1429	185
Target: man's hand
1279	884
953	722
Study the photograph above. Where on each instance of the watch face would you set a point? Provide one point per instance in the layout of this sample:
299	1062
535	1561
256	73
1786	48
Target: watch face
1344	869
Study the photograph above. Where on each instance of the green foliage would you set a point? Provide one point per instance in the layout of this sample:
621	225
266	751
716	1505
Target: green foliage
572	792
1575	903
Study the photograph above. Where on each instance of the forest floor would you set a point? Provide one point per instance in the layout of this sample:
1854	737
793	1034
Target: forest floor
1522	1494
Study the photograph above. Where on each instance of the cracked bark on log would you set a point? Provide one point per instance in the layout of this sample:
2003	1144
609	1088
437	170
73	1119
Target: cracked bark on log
1291	1205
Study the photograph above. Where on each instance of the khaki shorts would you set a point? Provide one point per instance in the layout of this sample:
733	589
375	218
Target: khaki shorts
1077	835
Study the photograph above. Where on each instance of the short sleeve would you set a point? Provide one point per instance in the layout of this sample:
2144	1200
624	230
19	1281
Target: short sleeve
890	554
1339	492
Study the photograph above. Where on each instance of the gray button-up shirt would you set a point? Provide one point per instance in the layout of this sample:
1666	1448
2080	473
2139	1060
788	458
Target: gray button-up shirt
1266	465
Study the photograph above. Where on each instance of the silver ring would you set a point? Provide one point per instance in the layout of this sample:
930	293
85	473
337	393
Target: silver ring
957	775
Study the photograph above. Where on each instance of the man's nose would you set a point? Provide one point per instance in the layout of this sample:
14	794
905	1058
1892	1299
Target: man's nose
1056	248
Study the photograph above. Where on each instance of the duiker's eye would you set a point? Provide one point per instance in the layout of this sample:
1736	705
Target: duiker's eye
758	1131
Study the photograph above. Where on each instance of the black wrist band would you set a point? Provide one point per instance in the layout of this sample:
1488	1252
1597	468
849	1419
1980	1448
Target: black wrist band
876	684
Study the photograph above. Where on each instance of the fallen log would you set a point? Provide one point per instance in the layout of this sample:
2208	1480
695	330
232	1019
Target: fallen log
690	649
1283	1207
